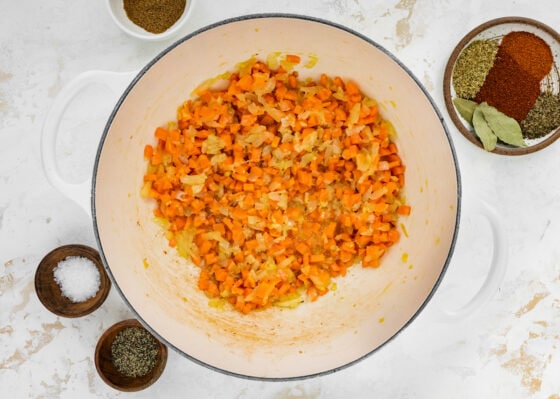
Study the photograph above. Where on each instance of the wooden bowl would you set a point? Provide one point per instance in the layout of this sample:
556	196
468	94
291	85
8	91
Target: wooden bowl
497	28
49	291
108	371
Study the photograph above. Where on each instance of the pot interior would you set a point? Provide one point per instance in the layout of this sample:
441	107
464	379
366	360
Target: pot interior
369	306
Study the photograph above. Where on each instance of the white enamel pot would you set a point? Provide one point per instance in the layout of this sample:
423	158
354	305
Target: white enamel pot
369	306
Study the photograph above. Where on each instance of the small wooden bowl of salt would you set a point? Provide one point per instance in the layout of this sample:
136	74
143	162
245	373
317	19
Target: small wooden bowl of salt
71	281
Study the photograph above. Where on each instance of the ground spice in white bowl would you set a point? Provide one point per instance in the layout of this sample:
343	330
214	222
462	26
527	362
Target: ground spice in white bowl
155	16
77	277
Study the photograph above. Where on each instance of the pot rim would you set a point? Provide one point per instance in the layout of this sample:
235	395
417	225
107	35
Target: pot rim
214	25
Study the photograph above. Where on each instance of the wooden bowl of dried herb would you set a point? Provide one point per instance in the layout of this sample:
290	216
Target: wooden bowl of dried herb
502	86
128	357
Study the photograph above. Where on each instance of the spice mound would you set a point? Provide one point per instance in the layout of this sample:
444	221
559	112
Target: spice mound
155	16
511	77
77	277
134	352
275	185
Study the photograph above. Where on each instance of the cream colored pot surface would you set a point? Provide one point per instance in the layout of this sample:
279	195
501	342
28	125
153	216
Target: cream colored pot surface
369	306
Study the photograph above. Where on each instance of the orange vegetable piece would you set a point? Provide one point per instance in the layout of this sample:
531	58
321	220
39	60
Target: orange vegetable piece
256	194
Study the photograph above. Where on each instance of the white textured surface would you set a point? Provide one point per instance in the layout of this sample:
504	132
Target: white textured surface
508	349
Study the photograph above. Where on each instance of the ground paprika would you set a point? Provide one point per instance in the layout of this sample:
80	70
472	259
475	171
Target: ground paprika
531	52
509	88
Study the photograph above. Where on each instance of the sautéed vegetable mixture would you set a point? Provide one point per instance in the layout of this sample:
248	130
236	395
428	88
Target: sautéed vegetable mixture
274	185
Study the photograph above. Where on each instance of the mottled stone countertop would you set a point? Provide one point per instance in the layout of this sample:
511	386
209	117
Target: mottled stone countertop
510	348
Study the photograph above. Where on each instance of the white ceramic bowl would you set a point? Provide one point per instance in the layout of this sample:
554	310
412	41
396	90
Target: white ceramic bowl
118	14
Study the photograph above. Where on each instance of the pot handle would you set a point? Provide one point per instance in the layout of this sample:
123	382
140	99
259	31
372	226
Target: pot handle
80	192
497	269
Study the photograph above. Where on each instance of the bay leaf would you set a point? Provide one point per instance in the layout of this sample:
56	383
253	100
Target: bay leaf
483	130
506	128
465	108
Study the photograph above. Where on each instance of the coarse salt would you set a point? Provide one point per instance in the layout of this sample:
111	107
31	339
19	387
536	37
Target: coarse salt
77	277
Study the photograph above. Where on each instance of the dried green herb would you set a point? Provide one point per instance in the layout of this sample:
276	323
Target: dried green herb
483	131
465	108
134	352
472	66
543	118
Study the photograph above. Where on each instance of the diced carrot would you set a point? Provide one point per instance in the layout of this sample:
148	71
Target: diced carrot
271	207
161	133
293	59
404	210
148	151
317	258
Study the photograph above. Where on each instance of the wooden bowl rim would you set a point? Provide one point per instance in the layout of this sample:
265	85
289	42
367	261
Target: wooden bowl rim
130	384
46	287
457	121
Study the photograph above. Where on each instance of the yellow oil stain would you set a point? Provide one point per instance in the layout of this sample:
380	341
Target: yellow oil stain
437	240
404	230
145	263
312	60
211	82
386	288
381	320
410	267
404	257
531	304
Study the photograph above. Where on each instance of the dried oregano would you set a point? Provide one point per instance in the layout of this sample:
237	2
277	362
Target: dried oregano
472	66
134	352
543	118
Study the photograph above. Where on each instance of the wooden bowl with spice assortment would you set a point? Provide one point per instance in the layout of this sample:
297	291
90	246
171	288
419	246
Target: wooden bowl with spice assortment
128	357
71	281
150	19
502	86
